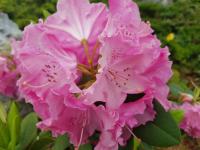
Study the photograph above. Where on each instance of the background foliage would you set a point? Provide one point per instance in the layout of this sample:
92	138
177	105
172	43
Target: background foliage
24	11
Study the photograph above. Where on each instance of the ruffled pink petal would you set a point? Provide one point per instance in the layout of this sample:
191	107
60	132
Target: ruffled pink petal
190	123
83	21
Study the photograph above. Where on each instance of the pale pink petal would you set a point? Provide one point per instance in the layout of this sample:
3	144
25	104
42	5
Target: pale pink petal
79	19
101	91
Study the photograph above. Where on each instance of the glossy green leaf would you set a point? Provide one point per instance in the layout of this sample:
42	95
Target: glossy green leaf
85	147
14	120
61	143
3	113
144	146
178	115
4	135
136	143
28	130
45	13
14	132
162	132
45	134
42	144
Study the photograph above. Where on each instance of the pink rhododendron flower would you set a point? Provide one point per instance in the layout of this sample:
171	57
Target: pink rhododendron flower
8	78
82	67
77	23
190	123
117	124
120	75
44	64
129	68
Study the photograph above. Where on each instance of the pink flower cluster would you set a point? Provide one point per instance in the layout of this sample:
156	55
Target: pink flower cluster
83	66
8	77
190	123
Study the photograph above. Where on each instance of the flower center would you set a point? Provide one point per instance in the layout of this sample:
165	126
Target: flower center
88	71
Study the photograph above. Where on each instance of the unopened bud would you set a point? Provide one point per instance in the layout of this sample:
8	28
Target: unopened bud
185	97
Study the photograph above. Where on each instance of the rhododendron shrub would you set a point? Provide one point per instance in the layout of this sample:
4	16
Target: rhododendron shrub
91	69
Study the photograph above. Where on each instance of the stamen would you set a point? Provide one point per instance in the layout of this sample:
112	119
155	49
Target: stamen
86	49
135	137
116	74
112	74
84	70
131	131
82	65
34	86
95	50
122	77
82	130
81	137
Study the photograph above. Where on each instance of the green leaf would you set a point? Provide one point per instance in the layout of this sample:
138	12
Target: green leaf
136	143
196	94
42	144
178	85
3	113
177	114
85	147
45	134
14	132
1	148
61	143
162	132
144	146
14	120
45	13
28	130
4	135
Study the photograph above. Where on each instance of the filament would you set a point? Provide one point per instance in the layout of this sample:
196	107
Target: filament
35	86
86	49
